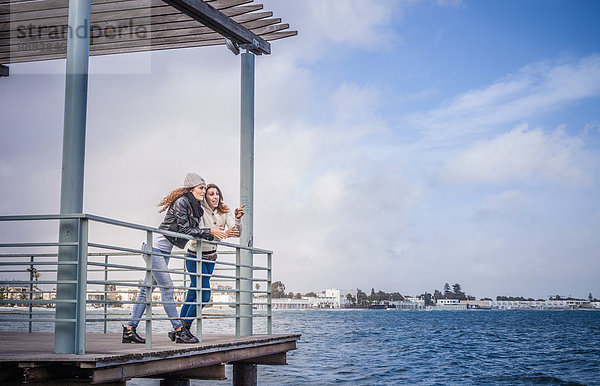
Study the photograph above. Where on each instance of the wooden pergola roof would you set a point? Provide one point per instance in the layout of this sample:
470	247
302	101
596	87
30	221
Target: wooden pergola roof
33	30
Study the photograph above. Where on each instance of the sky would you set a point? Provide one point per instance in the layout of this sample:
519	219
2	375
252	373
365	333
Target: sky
399	145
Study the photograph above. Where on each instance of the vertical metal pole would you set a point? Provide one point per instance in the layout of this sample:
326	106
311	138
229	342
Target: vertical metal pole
247	188
71	194
31	294
81	286
105	290
199	290
269	309
237	292
149	288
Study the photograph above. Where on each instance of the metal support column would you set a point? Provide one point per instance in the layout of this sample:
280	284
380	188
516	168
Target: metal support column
247	189
71	194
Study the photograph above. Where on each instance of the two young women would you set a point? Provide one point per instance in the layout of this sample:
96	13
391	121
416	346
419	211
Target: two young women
184	215
216	214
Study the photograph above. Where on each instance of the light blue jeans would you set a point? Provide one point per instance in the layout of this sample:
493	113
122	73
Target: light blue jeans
162	279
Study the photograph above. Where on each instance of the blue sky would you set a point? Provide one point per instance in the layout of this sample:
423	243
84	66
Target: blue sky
399	144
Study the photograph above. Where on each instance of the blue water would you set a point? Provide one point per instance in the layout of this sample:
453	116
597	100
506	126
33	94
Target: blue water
379	347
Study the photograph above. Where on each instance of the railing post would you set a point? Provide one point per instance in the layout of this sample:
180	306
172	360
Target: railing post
31	269
148	280
237	292
269	309
81	286
105	290
199	290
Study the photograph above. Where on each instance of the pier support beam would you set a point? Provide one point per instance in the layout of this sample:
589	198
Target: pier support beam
4	70
71	189
247	189
244	374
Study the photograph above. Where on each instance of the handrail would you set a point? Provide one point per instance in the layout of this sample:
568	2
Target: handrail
103	284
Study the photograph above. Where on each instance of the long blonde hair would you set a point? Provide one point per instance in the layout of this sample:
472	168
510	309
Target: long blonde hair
170	198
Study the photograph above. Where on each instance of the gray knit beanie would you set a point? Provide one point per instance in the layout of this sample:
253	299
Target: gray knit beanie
192	179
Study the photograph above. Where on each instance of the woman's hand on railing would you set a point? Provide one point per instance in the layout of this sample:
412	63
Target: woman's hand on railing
233	232
218	233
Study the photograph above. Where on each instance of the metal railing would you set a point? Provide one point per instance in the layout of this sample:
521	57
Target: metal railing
29	277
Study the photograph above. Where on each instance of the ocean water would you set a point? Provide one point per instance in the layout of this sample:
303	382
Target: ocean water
390	347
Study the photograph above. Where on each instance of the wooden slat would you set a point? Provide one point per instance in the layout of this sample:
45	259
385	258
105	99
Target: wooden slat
223	4
279	35
166	26
99	6
265	30
191	27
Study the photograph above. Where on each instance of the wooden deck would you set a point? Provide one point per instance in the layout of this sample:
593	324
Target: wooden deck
29	357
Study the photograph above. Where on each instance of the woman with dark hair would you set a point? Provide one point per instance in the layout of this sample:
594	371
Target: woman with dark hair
216	214
184	214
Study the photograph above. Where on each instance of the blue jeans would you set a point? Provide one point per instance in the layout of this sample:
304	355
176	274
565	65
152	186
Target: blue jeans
188	311
166	294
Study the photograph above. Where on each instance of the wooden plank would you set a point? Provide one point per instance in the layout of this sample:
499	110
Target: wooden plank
269	29
123	30
4	58
104	350
220	23
279	35
223	4
153	14
145	369
274	359
60	9
29	47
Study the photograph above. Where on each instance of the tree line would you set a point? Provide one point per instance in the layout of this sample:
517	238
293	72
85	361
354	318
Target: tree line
448	292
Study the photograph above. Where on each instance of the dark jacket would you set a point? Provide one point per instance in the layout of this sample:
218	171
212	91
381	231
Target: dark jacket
183	216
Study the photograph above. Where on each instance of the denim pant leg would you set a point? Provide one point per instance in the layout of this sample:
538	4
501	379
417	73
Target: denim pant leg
139	308
166	294
207	268
159	279
189	310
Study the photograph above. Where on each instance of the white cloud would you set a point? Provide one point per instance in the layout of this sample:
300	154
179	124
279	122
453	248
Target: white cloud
533	90
521	155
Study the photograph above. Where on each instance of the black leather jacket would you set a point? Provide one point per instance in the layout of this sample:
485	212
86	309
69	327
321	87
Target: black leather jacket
182	217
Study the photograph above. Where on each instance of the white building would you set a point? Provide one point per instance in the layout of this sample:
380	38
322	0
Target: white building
450	304
339	297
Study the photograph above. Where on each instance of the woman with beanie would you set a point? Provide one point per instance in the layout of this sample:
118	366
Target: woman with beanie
216	214
184	213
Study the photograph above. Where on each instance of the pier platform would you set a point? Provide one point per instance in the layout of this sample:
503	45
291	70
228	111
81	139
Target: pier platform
29	358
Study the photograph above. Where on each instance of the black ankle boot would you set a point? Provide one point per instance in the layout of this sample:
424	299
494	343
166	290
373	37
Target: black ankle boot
184	336
186	325
130	336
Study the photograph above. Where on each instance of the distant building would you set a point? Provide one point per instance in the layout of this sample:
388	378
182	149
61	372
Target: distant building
450	304
339	297
409	303
282	303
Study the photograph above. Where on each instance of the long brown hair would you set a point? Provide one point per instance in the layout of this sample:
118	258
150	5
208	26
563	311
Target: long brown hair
170	198
221	207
